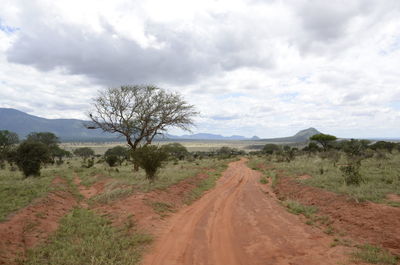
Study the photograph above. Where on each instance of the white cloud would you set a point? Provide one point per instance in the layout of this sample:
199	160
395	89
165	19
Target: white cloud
266	68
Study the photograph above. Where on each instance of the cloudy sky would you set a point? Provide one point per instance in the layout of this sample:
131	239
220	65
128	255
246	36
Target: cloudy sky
251	67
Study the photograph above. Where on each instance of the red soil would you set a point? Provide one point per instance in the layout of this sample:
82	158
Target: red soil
393	197
238	223
90	191
304	177
138	205
366	222
33	224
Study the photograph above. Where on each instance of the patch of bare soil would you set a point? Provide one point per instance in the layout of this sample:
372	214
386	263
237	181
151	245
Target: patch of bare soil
95	189
138	206
304	177
33	224
393	197
238	223
365	222
264	166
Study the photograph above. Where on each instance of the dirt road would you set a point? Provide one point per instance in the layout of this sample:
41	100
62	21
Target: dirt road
240	222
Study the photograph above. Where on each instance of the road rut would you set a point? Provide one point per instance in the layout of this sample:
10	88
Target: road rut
240	222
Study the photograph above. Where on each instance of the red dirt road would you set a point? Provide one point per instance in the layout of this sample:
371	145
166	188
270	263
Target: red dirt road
240	222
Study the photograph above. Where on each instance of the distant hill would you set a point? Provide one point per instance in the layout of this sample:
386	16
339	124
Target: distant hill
66	129
74	130
300	137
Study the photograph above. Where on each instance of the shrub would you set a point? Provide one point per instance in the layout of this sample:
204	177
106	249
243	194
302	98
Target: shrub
46	138
382	145
84	152
270	148
150	158
116	154
88	163
351	174
111	160
7	142
175	150
312	148
30	156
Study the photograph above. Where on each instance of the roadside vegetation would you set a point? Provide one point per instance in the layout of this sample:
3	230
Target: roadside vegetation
83	236
87	238
28	168
358	168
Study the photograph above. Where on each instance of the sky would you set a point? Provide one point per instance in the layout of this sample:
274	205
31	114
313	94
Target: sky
250	67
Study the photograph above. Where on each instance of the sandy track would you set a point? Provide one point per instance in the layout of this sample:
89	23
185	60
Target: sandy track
240	222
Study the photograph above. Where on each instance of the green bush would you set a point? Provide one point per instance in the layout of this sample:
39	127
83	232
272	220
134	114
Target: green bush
112	160
84	152
351	174
31	156
150	158
270	148
175	150
117	154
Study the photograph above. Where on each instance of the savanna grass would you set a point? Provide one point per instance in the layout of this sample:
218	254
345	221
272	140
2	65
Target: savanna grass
17	191
87	238
381	177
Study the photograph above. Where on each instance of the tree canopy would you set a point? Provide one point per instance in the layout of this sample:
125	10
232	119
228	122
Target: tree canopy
7	139
30	156
175	150
84	152
323	139
270	148
46	138
139	113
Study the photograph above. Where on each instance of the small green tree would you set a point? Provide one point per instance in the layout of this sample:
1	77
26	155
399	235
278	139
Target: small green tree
323	139
270	148
150	158
175	150
30	156
84	152
46	138
116	155
111	160
59	153
50	140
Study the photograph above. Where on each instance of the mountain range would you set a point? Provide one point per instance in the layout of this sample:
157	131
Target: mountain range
69	130
300	137
74	130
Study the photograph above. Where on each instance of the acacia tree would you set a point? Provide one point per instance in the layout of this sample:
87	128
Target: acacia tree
139	113
323	139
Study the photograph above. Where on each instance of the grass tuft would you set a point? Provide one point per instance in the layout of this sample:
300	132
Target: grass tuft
298	208
162	208
375	255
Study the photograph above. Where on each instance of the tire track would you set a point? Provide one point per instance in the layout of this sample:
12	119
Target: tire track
236	223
